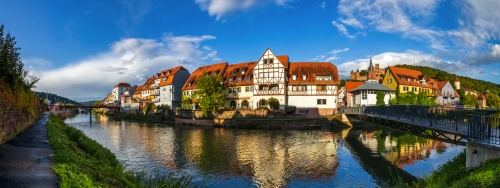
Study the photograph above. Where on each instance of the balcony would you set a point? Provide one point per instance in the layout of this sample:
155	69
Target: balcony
155	86
155	100
156	92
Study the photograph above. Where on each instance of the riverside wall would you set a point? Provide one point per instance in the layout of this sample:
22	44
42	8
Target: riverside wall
13	122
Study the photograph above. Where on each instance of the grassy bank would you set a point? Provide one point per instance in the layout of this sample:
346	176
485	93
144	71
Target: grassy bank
82	162
454	174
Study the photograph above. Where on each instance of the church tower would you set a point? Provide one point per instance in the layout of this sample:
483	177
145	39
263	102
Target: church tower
457	82
371	75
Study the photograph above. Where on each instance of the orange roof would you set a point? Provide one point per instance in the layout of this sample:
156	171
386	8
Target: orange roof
284	60
441	84
138	90
313	69
234	72
149	82
456	79
349	86
122	85
167	76
218	68
406	76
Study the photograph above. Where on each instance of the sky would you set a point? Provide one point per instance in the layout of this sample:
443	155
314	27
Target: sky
81	49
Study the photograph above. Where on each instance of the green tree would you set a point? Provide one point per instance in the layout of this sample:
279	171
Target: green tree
492	100
187	102
273	103
97	103
463	98
211	93
422	98
363	72
471	100
380	98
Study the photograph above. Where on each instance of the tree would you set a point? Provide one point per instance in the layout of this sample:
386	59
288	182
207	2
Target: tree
380	98
463	98
97	103
186	102
211	93
493	101
273	103
11	67
363	72
471	100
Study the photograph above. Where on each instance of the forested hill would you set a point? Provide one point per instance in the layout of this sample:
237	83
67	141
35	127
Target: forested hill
55	99
465	82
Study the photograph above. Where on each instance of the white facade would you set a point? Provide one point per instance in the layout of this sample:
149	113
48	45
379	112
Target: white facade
269	80
446	95
118	91
370	99
242	97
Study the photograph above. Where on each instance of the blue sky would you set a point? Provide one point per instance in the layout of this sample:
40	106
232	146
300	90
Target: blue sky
81	49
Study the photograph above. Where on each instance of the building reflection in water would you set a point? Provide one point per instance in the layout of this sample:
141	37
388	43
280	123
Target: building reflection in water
399	148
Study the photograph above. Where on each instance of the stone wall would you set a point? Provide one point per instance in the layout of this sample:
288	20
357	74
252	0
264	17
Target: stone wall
477	154
240	114
12	122
258	123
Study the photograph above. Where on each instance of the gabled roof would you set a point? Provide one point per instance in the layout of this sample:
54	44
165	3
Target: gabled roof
139	90
122	85
167	76
413	75
284	60
312	69
230	73
349	86
372	86
219	68
441	84
149	82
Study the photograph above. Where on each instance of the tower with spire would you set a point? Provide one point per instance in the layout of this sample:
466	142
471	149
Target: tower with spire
457	83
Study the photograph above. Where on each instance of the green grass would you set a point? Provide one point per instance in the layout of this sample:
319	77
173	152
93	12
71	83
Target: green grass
82	162
454	174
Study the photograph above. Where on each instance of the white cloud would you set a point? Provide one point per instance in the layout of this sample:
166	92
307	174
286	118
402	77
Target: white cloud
478	22
408	57
391	16
492	56
129	60
332	55
323	5
342	29
221	8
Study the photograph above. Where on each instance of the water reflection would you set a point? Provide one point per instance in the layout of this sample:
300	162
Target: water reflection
218	157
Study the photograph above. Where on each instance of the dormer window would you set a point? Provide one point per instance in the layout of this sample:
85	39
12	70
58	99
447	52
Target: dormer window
294	77
239	79
402	78
189	85
414	80
168	72
215	73
235	71
408	79
164	79
248	78
242	71
304	77
230	80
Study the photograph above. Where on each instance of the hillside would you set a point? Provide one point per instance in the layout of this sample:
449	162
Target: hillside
88	103
465	82
55	98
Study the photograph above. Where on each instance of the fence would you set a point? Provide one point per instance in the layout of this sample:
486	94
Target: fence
484	129
454	118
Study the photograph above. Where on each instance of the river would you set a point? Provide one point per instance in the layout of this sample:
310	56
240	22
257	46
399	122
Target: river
362	156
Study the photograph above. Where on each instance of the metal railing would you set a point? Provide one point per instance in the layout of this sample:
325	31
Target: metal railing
454	118
484	129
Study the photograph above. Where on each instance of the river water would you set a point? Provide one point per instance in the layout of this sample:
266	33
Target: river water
362	156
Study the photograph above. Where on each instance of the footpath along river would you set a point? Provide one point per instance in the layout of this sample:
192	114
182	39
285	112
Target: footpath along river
363	156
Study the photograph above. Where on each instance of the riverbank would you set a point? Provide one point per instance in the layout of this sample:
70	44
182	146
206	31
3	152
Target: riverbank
455	174
82	162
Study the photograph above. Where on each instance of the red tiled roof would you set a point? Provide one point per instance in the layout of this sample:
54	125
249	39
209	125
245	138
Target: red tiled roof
441	84
284	60
209	69
122	85
230	73
167	76
456	79
312	69
139	90
412	75
349	86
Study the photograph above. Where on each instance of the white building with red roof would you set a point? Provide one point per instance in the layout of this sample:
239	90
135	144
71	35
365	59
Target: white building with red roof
118	91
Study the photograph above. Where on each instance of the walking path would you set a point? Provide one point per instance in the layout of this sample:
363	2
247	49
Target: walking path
24	160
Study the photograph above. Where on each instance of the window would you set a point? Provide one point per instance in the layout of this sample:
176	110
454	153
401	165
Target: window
321	101
215	73
242	71
239	79
364	95
235	71
321	87
238	89
304	77
189	85
414	80
274	87
230	80
294	77
247	89
248	78
262	102
263	87
402	78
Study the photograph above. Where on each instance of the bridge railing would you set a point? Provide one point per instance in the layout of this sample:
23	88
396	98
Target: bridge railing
484	128
453	118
